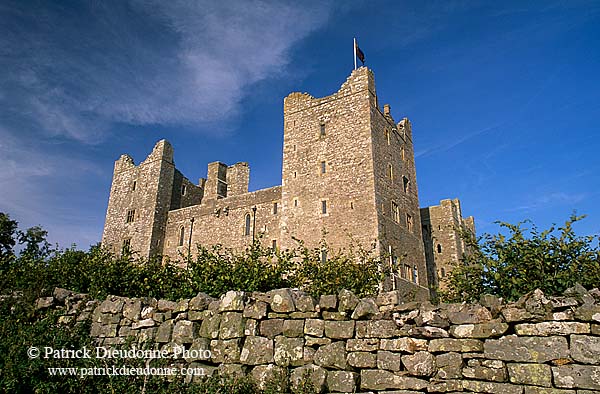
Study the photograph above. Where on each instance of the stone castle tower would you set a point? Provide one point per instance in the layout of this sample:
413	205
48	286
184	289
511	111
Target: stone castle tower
348	176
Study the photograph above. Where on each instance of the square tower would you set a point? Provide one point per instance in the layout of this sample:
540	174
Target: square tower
349	177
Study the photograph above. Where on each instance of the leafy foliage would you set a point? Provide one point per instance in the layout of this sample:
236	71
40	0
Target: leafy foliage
510	266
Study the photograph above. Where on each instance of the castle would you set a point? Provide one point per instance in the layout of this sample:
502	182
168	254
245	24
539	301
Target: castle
348	175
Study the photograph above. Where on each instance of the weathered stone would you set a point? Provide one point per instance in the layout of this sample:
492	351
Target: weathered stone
589	313
328	302
455	345
182	306
536	303
257	350
362	360
478	371
380	329
563	302
125	331
375	379
544	390
512	314
347	301
142	324
60	295
196	315
282	301
313	373
552	328
227	351
408	345
585	349
490	387
362	345
309	354
529	349
265	374
428	332
304	302
232	370
444	387
288	351
200	302
420	364
251	328
432	317
329	315
163	334
165	305
563	316
147	312
595	329
449	365
388	360
198	350
483	330
271	328
256	310
468	314
404	318
184	331
232	325
304	315
232	301
210	327
388	298
534	374
312	341
314	327
342	381
577	376
293	328
109	318
331	356
339	329
365	309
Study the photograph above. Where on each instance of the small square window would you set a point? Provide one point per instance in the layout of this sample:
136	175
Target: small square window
130	216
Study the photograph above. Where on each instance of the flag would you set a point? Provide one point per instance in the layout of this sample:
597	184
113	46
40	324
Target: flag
359	53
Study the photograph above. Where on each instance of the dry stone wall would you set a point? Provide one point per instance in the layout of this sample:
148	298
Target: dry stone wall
538	345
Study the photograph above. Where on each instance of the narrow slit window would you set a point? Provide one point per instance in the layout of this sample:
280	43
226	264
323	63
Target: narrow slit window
295	202
439	248
274	244
387	136
395	212
133	186
295	174
126	245
247	225
415	274
409	222
181	236
406	184
324	207
323	167
390	172
183	190
274	208
322	130
351	205
323	256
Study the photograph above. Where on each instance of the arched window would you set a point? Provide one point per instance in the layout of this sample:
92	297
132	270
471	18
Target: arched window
439	248
181	236
247	226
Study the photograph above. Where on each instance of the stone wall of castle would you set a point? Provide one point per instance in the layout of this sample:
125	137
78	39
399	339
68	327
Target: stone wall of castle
538	345
444	245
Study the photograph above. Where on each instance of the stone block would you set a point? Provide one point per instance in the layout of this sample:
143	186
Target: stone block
293	328
331	356
388	360
282	301
328	302
232	301
289	351
577	376
166	305
347	301
420	364
112	305
271	328
256	310
200	302
366	309
491	387
132	309
225	351
232	325
342	381
449	365
362	345
304	302
251	328
381	329
526	349
468	314
184	331
455	345
314	327
142	324
407	345
210	327
585	349
312	341
376	379
362	360
313	373
198	350
483	330
163	334
552	328
339	329
265	374
533	374
257	350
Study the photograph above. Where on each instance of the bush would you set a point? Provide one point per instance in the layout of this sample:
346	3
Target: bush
552	260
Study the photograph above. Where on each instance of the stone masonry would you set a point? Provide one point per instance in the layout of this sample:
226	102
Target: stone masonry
348	178
537	345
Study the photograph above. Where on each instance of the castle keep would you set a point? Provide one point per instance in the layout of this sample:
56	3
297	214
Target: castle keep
348	176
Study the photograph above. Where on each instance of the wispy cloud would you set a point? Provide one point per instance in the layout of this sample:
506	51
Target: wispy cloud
550	199
75	72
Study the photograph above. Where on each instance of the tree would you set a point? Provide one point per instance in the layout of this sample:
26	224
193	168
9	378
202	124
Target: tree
510	266
8	229
34	239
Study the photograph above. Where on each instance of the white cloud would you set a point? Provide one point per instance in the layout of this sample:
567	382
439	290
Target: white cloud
144	63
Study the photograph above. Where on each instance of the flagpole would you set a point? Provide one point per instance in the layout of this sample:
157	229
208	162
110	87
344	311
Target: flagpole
355	53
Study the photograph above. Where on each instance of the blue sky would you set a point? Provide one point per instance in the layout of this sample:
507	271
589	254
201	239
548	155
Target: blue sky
504	97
